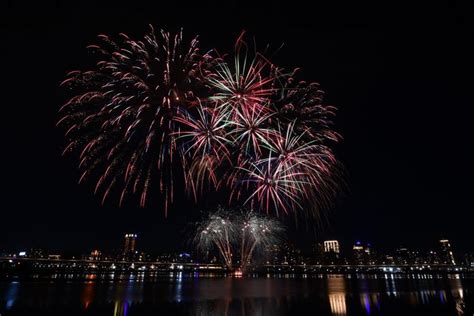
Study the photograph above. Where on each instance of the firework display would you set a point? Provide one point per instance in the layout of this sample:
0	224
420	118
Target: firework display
157	109
123	119
237	232
218	230
257	231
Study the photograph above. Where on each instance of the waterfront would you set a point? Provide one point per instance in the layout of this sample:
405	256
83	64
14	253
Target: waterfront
276	294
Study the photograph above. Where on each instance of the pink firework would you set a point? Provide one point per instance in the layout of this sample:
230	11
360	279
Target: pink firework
273	187
155	109
204	139
314	161
247	82
250	130
122	118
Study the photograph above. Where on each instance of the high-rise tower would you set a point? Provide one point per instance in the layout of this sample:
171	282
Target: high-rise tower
446	254
129	245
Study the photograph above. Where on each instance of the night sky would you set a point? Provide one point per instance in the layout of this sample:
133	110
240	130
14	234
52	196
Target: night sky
402	78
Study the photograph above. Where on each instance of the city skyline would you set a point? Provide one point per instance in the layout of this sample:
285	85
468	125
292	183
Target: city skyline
330	251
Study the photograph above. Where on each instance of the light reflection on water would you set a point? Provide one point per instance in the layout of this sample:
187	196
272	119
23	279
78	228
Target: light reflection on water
335	295
12	294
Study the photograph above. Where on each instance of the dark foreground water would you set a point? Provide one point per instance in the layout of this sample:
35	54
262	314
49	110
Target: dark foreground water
192	294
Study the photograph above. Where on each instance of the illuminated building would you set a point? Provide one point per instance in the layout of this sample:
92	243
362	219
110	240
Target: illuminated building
273	254
95	255
387	259
54	257
358	253
317	253
469	260
129	243
286	254
331	252
129	246
37	253
184	257
405	256
446	254
362	254
331	246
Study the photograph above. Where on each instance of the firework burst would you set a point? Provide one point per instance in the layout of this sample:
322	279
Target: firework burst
247	82
312	161
302	105
257	231
237	231
249	130
155	109
205	134
205	140
220	231
123	117
272	185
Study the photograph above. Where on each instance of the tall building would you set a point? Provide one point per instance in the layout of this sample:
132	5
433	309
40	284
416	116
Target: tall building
331	246
129	245
358	253
317	253
405	256
363	254
445	253
331	252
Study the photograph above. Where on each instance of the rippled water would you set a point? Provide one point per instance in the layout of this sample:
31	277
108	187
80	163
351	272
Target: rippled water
193	294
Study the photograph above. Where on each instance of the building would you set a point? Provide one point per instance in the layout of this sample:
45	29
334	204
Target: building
286	254
445	253
317	254
129	243
469	260
95	255
331	252
37	253
358	253
362	254
405	256
273	254
431	257
331	246
129	246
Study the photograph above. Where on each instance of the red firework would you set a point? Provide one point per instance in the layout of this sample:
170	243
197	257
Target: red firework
156	107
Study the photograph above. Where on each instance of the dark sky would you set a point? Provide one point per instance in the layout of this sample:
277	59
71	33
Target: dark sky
402	78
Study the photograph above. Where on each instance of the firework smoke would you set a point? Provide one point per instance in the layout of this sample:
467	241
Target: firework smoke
230	231
218	230
257	231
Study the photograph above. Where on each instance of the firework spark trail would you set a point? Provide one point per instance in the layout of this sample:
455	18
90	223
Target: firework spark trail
231	231
219	231
205	139
123	117
245	82
310	160
257	231
301	159
273	185
157	108
206	133
249	131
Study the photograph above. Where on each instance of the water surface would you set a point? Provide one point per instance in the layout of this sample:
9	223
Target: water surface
193	294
